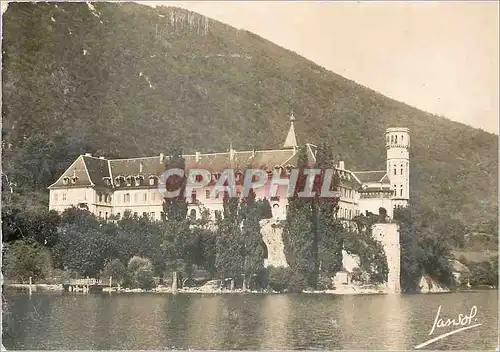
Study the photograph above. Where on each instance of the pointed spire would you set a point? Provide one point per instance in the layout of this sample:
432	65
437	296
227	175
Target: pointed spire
291	140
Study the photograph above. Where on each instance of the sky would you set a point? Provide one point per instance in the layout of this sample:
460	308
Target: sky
441	57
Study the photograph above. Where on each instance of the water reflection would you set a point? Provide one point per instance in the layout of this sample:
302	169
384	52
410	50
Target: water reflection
275	321
243	321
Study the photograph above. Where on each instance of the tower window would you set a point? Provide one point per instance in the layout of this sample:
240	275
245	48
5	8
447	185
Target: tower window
401	170
193	196
394	171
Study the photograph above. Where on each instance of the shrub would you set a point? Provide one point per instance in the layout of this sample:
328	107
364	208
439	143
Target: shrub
25	259
116	270
278	278
140	273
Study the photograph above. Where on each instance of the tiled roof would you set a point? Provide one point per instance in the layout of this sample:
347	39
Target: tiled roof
242	159
78	171
371	176
145	166
97	168
383	188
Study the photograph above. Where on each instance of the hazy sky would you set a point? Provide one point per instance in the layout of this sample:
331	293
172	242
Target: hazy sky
441	57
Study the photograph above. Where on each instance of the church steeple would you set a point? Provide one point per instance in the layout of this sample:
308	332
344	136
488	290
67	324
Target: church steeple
291	140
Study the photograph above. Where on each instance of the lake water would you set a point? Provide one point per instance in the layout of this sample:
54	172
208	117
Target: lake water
244	321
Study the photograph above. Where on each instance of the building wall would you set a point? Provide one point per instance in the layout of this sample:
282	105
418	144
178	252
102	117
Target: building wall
373	205
64	198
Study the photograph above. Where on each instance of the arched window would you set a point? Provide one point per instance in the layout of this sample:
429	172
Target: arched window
395	139
192	213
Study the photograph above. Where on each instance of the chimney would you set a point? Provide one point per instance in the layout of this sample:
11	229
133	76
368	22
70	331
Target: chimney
231	152
341	165
88	154
198	154
162	157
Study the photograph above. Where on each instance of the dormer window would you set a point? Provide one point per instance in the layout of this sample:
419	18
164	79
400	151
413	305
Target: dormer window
74	179
65	180
137	180
107	181
152	180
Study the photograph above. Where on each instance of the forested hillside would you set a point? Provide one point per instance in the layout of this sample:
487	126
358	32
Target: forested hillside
126	80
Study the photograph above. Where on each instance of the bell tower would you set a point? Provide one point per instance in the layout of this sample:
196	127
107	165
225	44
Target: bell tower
397	142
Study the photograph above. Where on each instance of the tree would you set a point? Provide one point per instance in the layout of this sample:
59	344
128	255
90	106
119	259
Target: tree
299	237
24	259
229	245
265	208
115	270
84	242
175	208
140	273
253	251
329	230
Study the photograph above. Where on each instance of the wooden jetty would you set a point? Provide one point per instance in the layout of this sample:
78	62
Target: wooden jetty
84	285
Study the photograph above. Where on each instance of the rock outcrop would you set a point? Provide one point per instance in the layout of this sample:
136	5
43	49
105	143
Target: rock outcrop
272	237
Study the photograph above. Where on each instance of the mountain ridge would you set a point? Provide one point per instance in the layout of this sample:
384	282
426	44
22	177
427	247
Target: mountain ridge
123	81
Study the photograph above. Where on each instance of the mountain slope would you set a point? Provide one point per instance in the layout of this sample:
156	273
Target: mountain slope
129	80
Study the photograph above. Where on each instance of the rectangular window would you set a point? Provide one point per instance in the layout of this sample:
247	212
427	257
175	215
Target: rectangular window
100	214
394	171
56	196
136	197
145	197
401	192
106	215
144	214
64	196
216	195
118	216
135	214
401	171
153	215
193	196
207	194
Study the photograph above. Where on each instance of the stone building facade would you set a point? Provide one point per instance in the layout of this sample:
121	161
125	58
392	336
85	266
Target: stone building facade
110	187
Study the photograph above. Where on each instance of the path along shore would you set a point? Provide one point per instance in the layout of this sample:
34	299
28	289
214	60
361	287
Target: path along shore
345	290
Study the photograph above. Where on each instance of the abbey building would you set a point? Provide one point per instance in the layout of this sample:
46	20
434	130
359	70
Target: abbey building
110	187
